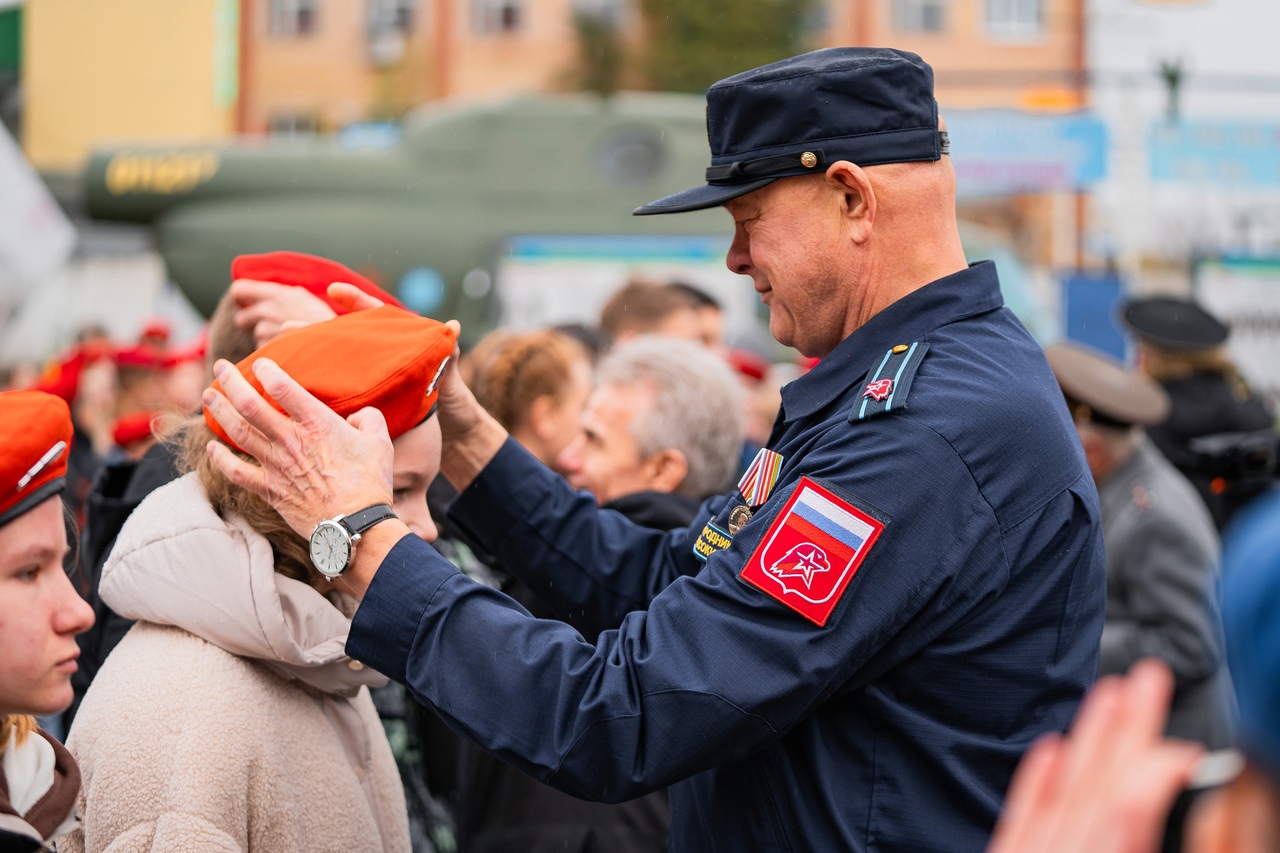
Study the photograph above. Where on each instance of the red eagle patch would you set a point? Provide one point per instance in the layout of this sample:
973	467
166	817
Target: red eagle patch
879	390
811	551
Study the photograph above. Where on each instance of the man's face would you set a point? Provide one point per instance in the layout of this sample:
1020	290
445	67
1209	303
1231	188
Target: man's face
604	459
788	237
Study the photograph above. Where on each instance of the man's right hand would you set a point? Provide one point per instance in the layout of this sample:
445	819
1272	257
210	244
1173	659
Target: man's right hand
470	434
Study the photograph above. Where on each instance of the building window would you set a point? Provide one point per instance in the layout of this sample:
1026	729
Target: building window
386	16
918	16
293	17
497	16
1015	18
292	125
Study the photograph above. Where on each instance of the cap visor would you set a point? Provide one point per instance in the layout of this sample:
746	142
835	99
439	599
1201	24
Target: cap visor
699	198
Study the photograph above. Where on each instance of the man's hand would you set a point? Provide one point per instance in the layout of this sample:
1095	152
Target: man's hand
470	434
313	465
267	307
1106	787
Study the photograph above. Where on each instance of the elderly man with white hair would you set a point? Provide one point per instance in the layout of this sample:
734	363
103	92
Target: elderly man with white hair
662	431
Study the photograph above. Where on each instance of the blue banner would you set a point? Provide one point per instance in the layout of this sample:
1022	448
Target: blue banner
1001	152
1221	153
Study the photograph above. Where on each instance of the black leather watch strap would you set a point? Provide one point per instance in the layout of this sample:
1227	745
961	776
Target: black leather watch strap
359	522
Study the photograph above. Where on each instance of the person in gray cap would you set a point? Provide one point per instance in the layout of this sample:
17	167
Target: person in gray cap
1183	347
851	649
1161	546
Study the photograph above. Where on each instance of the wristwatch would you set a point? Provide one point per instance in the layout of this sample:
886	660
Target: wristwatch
333	542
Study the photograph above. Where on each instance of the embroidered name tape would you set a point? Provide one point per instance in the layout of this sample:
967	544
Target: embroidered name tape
811	551
711	539
889	384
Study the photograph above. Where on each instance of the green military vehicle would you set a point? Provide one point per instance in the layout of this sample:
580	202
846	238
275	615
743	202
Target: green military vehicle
516	212
419	215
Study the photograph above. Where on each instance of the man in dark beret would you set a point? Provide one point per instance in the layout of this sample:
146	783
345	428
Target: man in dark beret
851	649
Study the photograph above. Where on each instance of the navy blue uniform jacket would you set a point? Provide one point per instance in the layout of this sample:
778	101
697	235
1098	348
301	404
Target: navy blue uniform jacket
970	627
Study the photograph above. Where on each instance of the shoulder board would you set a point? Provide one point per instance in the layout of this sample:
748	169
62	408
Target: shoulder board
889	384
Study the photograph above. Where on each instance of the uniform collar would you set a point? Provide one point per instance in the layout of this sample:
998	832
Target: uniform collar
967	293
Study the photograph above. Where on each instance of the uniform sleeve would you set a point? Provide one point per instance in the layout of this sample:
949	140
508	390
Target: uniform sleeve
1167	577
714	669
591	566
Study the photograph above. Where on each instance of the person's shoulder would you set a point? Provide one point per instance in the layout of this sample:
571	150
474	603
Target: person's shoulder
1164	498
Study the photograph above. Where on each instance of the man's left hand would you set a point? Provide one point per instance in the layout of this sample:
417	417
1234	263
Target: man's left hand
313	464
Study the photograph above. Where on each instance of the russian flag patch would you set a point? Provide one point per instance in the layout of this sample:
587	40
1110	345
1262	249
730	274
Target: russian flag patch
811	551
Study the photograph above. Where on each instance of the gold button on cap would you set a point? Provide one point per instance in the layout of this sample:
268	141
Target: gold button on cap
808	159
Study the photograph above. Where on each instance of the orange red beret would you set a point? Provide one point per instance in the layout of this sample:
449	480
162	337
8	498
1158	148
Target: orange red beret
61	376
385	357
133	427
35	439
309	271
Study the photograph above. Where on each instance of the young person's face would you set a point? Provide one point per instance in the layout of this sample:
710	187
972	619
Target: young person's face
40	614
417	462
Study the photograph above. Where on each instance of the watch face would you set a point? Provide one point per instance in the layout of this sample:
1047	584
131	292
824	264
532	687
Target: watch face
330	549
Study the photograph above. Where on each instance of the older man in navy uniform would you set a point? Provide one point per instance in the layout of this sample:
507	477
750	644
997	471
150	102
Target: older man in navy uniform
851	650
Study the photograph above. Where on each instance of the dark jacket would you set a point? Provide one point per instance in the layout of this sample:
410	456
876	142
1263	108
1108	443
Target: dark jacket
859	666
1209	403
501	809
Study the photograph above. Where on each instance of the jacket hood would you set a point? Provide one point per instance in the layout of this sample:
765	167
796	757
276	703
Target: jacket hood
176	562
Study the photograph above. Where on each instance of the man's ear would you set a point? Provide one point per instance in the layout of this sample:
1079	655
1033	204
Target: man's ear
666	470
858	205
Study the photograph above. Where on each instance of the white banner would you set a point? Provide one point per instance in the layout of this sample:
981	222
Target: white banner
36	238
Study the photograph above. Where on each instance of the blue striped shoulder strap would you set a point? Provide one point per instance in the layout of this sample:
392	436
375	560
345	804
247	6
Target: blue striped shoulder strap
889	384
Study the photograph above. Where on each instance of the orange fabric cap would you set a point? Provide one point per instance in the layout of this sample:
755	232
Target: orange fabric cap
35	441
385	357
310	271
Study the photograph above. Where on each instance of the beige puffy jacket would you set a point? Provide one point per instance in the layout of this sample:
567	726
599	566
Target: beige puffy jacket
229	718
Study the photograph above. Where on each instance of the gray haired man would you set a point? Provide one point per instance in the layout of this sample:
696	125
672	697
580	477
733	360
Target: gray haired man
661	432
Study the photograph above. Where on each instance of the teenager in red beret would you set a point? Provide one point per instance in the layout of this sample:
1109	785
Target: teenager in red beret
40	615
230	716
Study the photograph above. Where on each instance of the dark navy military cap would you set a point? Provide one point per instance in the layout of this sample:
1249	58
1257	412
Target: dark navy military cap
1176	324
867	105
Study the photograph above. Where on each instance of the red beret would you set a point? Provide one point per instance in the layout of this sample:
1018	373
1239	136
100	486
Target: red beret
385	357
309	271
196	350
140	355
35	439
132	428
157	329
61	376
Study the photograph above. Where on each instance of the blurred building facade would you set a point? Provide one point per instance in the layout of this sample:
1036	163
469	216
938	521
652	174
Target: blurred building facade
124	70
202	69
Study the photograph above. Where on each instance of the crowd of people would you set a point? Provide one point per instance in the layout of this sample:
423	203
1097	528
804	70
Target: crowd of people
327	580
